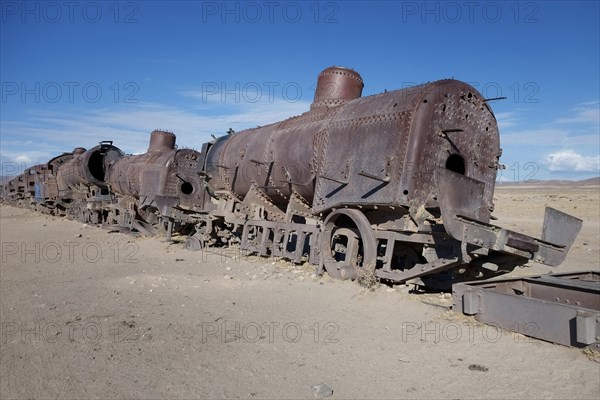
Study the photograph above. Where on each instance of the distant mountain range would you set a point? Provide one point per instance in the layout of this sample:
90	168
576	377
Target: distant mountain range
534	182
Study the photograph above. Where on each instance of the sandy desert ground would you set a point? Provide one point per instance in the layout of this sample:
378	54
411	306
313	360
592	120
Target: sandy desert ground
90	314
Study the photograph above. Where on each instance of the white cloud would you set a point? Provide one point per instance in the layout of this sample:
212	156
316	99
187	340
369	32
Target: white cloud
586	133
506	119
568	160
23	158
556	134
550	137
582	115
16	162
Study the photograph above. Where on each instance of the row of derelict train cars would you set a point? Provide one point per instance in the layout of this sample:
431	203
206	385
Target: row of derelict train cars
397	186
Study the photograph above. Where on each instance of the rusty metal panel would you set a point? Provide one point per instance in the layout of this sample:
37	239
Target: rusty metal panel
182	181
277	158
152	168
452	128
559	308
362	156
124	175
461	195
560	228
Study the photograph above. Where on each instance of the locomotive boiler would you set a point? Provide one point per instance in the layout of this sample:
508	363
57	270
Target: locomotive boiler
158	187
81	182
46	184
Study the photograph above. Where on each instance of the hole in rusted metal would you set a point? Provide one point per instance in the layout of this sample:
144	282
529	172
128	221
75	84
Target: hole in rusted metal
187	188
405	192
456	163
95	165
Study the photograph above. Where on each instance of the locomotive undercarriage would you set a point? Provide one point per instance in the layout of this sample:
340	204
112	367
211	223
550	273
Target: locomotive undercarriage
349	243
259	227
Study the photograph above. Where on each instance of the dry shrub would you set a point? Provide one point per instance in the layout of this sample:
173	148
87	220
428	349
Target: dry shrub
592	354
366	278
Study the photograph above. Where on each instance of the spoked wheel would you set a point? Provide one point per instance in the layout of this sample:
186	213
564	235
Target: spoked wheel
192	243
347	244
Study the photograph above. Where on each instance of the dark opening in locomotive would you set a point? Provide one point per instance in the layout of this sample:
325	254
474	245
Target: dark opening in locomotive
96	165
187	188
456	164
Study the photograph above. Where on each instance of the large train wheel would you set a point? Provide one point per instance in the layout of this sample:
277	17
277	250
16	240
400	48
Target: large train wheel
347	244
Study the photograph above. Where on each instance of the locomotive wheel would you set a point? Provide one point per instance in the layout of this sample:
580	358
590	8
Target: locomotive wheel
347	244
192	243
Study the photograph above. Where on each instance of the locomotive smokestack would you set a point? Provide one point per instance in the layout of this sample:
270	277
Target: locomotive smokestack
161	141
336	86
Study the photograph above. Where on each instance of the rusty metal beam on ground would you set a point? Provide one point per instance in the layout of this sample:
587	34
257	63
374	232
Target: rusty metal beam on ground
559	308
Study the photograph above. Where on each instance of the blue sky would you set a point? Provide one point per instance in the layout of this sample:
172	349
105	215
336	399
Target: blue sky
75	73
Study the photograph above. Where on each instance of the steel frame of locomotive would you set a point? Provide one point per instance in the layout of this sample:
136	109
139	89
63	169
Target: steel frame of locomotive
399	185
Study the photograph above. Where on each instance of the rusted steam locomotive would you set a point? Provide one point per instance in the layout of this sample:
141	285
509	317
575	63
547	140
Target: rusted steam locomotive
399	185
